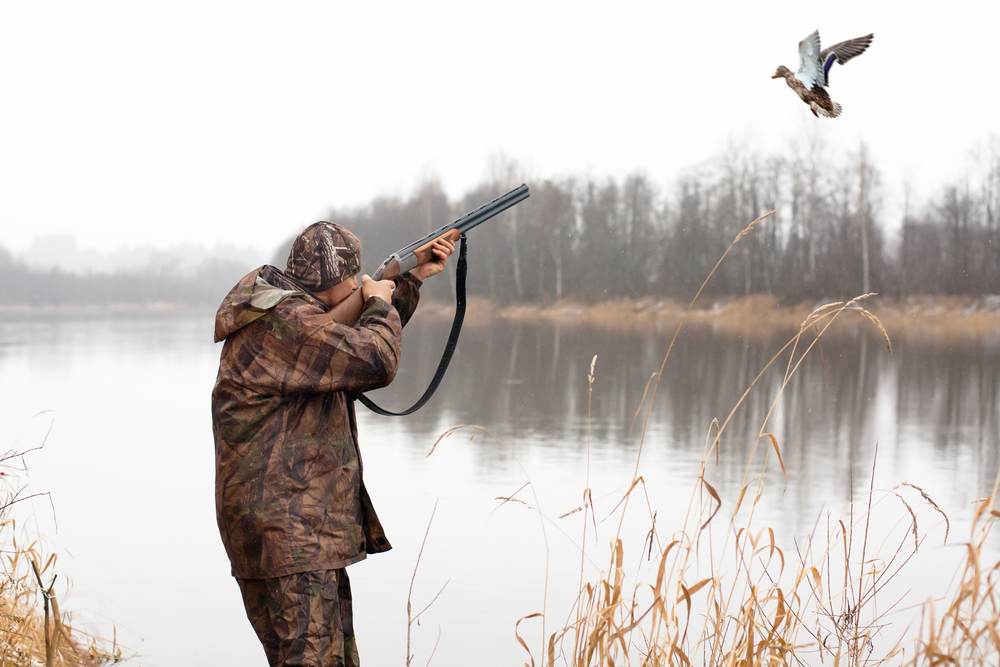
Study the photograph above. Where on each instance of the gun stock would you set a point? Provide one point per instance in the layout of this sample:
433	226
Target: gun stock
419	252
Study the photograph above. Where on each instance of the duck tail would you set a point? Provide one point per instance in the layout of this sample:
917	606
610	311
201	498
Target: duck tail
832	112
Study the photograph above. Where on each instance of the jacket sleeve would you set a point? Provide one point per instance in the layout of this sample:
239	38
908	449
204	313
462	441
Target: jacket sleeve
407	296
307	352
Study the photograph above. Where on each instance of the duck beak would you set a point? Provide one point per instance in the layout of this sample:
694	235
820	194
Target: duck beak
775	76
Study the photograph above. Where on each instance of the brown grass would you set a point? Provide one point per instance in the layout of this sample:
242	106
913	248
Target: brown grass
939	320
728	592
757	605
34	632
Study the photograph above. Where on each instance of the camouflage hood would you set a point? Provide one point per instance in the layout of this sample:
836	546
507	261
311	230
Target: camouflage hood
254	295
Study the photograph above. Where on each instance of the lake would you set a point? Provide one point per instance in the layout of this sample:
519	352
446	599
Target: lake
128	461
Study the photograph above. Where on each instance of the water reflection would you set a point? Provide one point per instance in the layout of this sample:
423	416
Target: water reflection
528	382
534	376
949	397
131	391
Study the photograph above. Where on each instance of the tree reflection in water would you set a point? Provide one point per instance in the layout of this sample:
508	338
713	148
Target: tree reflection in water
527	383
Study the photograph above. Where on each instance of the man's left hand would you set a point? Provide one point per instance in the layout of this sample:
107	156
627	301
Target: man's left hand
441	249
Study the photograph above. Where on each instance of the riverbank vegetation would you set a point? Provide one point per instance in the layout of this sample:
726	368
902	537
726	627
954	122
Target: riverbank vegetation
940	319
726	590
34	632
723	589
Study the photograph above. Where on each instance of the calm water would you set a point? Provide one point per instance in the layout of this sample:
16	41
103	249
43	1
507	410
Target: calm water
129	464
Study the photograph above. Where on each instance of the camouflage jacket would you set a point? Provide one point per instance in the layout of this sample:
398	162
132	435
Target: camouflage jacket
289	493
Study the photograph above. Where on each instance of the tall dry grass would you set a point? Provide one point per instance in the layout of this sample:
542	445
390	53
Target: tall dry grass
34	632
726	591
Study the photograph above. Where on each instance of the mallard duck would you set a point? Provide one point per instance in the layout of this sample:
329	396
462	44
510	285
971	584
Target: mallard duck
814	71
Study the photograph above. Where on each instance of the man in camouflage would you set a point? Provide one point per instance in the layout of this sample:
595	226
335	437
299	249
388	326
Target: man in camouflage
291	504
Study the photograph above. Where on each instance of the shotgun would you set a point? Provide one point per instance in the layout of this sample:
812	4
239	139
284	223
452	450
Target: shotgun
406	259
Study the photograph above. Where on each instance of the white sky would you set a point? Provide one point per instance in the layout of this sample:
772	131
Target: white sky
132	123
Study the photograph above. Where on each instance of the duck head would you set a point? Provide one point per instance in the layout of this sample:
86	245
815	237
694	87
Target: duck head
781	72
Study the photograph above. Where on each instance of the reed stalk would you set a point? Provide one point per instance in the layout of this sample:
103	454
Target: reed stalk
761	602
34	632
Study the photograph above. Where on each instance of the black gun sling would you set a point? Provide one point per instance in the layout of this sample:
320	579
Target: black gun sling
456	329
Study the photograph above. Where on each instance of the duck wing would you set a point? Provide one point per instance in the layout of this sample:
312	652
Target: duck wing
842	52
811	72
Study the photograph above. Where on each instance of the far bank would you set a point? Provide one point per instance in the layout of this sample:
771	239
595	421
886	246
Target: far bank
945	320
931	319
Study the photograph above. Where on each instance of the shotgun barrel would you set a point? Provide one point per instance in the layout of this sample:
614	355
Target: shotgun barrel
408	258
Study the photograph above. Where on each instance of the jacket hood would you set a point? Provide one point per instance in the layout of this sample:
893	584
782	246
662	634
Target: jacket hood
254	296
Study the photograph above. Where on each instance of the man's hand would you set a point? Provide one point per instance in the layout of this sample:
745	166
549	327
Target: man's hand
442	248
379	288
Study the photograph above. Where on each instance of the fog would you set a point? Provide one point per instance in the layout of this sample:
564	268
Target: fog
155	124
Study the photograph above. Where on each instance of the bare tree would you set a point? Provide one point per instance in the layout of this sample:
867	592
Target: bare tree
867	182
809	206
637	234
990	161
553	224
598	249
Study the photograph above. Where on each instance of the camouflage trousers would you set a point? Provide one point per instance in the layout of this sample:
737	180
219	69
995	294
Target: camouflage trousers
303	619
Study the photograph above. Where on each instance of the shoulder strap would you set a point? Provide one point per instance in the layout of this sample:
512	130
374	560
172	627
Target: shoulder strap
449	350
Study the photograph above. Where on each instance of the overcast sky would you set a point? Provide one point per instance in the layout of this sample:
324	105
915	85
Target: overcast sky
163	122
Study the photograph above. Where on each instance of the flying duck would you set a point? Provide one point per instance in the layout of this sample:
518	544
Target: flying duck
814	71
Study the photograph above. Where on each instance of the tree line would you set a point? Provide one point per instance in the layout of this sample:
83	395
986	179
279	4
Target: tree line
592	239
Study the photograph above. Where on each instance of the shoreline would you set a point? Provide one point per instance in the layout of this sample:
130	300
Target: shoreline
758	317
939	319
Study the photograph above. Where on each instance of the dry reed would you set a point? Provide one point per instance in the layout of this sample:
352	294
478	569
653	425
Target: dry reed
762	602
759	603
942	321
34	632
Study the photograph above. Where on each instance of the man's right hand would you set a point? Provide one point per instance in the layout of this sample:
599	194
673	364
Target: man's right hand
379	288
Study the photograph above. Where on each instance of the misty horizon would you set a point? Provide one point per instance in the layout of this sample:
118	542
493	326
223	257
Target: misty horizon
594	239
63	251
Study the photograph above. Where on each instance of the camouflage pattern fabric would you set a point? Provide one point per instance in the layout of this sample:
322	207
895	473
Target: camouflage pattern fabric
303	619
323	255
289	490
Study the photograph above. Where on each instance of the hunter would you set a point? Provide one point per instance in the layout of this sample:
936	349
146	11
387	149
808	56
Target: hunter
291	503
